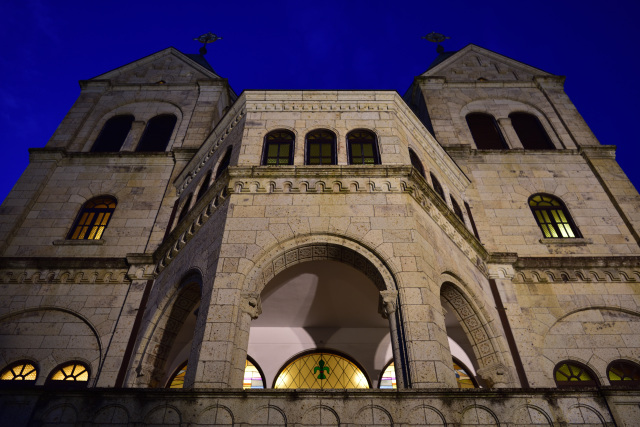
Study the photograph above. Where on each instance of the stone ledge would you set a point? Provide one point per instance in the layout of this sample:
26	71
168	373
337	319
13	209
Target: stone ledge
566	242
69	242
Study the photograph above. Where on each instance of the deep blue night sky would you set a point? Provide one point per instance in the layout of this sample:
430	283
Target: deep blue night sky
48	46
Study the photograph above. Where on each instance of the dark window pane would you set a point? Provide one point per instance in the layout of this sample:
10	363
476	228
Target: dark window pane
224	163
362	148
113	134
416	163
530	131
485	131
157	133
457	210
279	148
321	148
185	208
437	187
204	186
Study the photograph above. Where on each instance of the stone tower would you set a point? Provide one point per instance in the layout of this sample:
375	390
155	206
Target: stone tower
468	252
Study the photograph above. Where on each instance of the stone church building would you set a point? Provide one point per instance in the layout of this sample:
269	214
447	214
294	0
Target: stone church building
465	254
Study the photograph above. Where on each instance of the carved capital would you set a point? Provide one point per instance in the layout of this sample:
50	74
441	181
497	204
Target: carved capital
251	304
496	376
388	303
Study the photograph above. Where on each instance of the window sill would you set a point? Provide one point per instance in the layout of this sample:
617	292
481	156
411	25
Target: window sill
577	241
69	242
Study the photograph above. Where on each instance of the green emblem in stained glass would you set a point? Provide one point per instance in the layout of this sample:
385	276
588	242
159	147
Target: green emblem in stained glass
321	368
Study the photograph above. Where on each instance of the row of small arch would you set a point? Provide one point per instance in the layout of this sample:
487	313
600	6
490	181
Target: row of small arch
73	372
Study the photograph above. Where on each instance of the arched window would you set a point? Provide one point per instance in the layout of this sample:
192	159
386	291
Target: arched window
93	219
321	370
157	134
253	375
624	372
177	379
24	371
485	131
436	186
224	163
463	375
185	208
204	186
278	148
388	377
321	148
456	209
113	134
552	217
530	131
362	148
70	373
573	374
416	163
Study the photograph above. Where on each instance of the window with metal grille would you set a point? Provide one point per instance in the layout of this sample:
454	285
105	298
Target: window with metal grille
530	132
362	148
113	134
416	163
278	148
157	134
93	219
321	148
436	186
485	131
321	370
24	371
573	374
624	372
552	217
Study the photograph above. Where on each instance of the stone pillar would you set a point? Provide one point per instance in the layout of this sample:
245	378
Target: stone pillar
510	134
250	308
133	138
389	311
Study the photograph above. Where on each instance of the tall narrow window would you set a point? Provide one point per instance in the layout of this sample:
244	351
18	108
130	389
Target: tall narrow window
177	379
93	219
473	223
485	131
573	374
278	148
24	371
530	132
204	186
416	163
185	208
224	163
624	372
436	186
388	377
362	148
113	134
253	376
464	378
157	134
321	148
552	217
457	210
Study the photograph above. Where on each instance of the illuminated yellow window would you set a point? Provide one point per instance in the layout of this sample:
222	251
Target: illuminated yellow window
93	219
388	378
622	370
20	371
177	380
552	217
321	371
572	374
252	377
73	371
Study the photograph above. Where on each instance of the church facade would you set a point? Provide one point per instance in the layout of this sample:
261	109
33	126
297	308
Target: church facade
465	254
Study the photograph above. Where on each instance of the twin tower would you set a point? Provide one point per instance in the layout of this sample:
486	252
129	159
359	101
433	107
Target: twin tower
465	254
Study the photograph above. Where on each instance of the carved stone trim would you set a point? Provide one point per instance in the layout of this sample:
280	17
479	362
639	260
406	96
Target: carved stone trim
251	303
388	303
64	276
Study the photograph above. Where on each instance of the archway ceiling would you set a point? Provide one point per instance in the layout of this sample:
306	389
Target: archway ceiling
320	294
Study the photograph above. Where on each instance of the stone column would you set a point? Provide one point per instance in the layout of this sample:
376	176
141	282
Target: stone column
389	311
510	134
133	138
250	308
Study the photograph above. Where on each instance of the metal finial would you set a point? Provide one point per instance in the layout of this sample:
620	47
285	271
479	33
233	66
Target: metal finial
206	39
436	38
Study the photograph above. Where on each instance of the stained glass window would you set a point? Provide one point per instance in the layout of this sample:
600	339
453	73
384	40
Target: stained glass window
252	376
572	374
552	217
388	378
464	379
622	370
20	371
93	219
278	148
73	371
321	148
321	371
362	148
177	380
